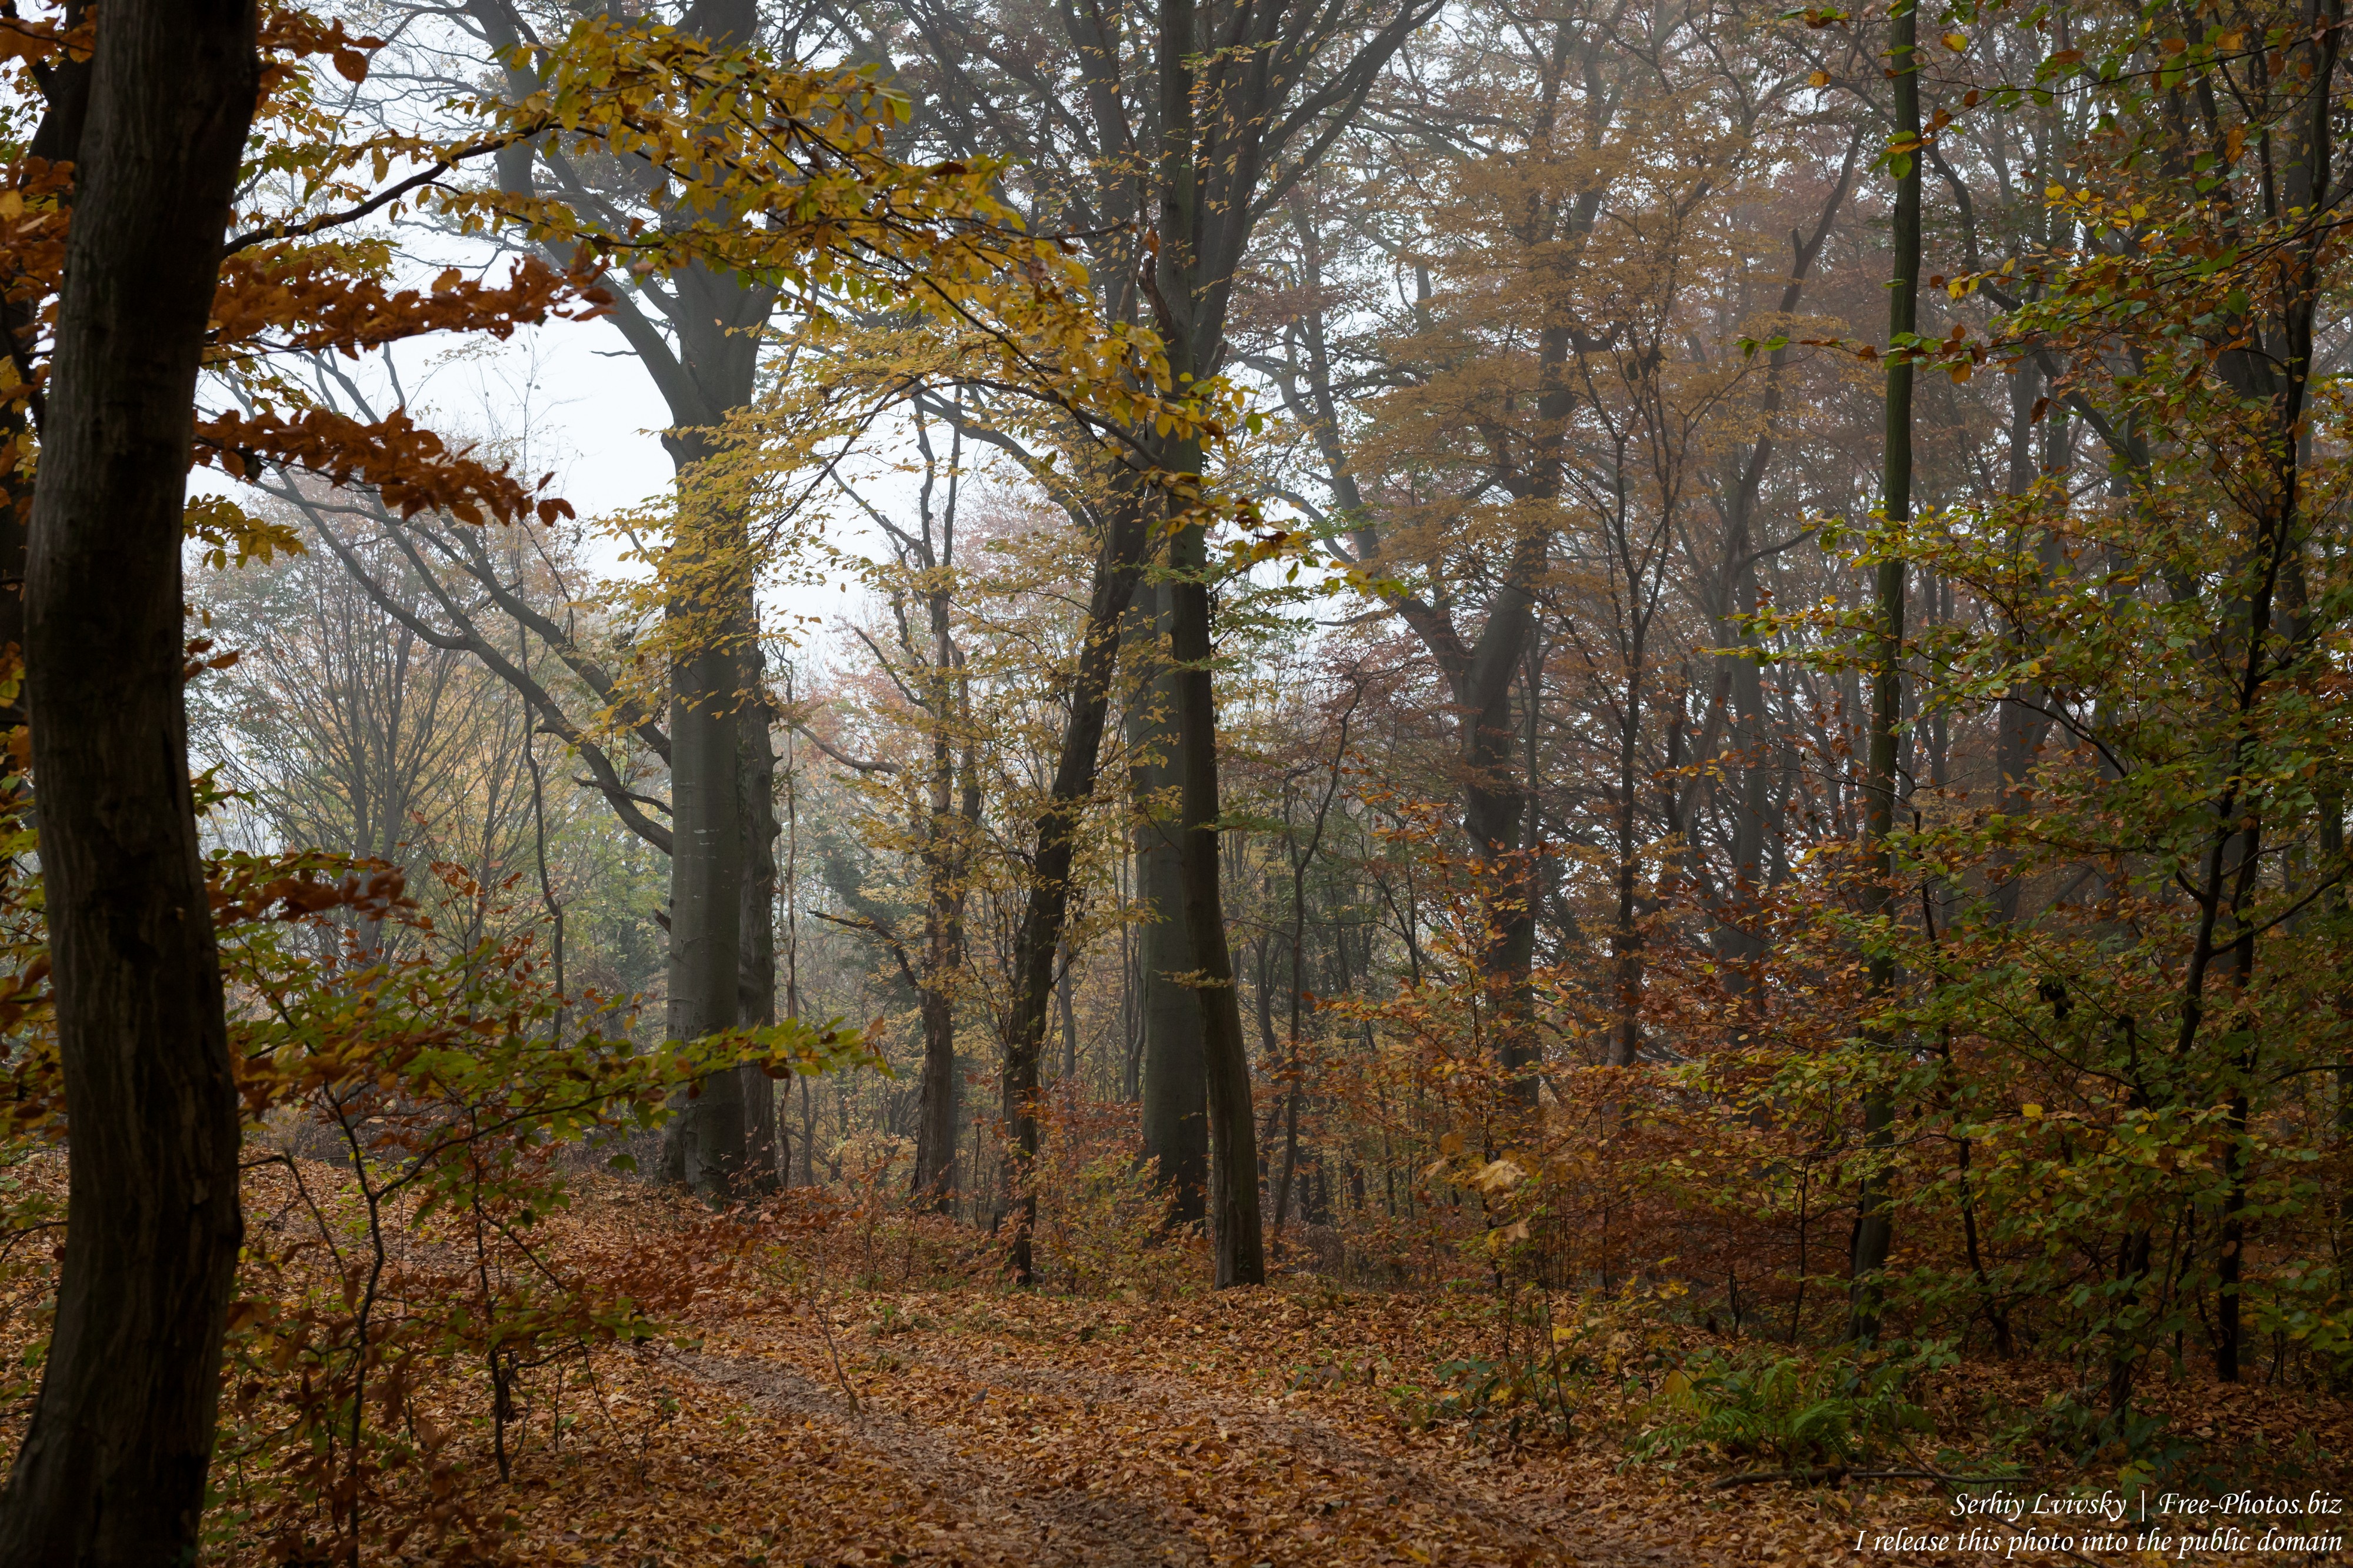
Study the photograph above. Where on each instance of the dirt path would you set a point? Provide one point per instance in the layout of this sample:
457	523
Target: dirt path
1039	1456
997	1504
810	1412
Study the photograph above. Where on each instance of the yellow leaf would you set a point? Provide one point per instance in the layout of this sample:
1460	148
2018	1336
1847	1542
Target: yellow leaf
1819	79
1499	1176
2030	1112
1956	42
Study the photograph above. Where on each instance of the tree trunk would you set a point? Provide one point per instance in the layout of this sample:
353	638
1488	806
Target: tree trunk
1494	815
1049	902
1175	1091
1063	964
765	1154
1233	1133
948	830
711	612
2019	723
1194	343
706	867
112	1469
1626	1041
56	140
936	1110
933	1184
1874	1229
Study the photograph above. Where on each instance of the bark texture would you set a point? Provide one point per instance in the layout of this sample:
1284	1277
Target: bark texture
717	1140
1175	1092
112	1469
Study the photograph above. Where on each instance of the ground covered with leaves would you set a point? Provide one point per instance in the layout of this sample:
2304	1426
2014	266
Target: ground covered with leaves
840	1391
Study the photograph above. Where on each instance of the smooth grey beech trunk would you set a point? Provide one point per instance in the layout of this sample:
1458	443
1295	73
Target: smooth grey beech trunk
1175	1087
725	1138
767	1150
112	1470
723	767
706	863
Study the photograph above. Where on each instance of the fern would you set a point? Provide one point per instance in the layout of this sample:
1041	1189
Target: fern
1789	1409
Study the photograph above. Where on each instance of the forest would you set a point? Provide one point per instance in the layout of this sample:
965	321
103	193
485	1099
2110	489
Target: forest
1248	782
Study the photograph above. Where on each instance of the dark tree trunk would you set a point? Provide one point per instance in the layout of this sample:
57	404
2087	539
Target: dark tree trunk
1176	1094
56	140
1874	1229
934	1184
1494	817
1233	1133
723	1137
112	1469
935	1115
706	909
953	817
1194	336
723	828
1050	886
707	1145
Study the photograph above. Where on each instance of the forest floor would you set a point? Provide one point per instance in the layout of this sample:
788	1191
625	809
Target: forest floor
815	1421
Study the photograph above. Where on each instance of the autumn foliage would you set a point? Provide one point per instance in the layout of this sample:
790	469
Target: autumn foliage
1598	981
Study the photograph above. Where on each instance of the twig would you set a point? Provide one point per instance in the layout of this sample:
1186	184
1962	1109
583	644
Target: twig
825	1327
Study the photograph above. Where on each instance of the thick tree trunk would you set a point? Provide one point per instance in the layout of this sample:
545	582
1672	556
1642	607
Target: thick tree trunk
706	864
765	1154
935	1116
1174	1088
112	1469
704	375
56	140
1233	1132
1195	337
706	1145
1494	817
1875	1229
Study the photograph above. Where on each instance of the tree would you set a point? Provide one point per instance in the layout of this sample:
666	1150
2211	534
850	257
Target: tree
698	305
1192	131
1510	413
112	1470
1905	155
